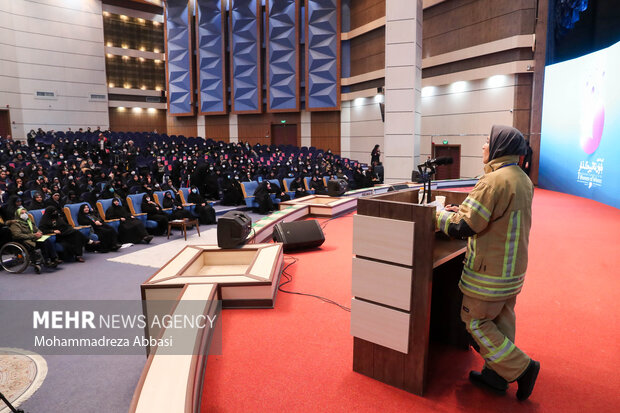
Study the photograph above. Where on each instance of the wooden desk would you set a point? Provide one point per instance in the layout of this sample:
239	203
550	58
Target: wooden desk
183	224
405	288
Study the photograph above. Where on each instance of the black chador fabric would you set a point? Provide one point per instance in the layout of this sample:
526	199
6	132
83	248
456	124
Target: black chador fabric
107	234
231	192
298	186
319	187
205	211
262	195
72	240
178	211
129	229
155	213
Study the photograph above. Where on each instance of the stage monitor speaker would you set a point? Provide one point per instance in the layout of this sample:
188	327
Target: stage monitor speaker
299	234
336	187
232	229
397	187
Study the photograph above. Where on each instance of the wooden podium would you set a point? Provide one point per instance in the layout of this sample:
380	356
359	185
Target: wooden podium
405	287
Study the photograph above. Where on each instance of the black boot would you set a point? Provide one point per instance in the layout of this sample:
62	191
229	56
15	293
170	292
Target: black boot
490	380
527	380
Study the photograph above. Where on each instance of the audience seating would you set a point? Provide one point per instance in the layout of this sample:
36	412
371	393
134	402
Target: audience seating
134	202
102	206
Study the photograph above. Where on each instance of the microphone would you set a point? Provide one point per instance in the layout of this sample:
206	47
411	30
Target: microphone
442	160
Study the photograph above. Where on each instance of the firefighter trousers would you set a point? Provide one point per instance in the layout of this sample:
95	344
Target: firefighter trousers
492	326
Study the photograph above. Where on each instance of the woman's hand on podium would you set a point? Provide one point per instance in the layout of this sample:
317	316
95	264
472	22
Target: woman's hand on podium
452	208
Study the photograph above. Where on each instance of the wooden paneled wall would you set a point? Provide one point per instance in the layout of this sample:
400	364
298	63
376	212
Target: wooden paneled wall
125	120
182	125
365	11
368	52
522	103
457	24
257	128
325	128
217	128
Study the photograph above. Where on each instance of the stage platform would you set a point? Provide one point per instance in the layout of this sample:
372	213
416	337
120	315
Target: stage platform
323	205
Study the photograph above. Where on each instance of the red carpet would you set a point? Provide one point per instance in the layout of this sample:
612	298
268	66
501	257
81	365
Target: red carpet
298	356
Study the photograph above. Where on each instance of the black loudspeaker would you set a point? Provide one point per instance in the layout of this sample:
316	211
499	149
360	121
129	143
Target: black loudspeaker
232	229
336	187
397	187
299	234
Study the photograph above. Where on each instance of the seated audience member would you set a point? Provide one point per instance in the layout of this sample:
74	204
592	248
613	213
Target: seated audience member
24	231
280	194
178	211
155	213
130	229
107	235
231	192
71	239
8	210
36	202
262	195
299	187
205	211
55	201
317	184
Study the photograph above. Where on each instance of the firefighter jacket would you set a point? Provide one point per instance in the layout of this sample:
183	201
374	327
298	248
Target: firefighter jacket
499	212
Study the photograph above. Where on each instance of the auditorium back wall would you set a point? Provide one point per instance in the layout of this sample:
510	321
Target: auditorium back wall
53	47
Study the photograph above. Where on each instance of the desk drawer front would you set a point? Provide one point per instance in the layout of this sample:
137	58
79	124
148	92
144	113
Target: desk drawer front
380	325
383	283
384	239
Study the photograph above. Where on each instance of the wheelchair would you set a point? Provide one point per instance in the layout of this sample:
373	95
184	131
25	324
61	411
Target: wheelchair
15	257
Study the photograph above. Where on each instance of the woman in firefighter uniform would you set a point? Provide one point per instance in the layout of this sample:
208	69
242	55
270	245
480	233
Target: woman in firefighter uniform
496	218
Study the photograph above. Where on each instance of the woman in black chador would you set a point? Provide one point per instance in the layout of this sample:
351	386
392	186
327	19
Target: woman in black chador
299	187
317	184
262	195
202	208
178	211
155	213
107	234
130	229
72	240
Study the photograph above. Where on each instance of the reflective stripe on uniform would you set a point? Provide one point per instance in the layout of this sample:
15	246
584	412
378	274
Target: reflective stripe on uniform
479	208
494	354
444	221
474	327
489	286
512	244
471	246
490	292
501	352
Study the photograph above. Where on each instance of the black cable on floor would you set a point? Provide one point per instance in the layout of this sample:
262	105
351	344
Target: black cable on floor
289	278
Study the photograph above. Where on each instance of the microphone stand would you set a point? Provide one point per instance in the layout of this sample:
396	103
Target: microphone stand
426	174
10	406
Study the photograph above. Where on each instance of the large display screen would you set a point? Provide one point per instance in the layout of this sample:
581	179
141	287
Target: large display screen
580	137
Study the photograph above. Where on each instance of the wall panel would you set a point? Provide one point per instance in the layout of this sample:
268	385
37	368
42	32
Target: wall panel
245	56
366	11
368	52
145	121
41	51
282	43
257	128
182	125
325	130
211	55
179	58
217	128
459	24
322	24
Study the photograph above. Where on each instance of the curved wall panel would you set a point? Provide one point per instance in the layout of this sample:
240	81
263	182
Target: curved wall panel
322	54
245	56
211	49
282	43
179	58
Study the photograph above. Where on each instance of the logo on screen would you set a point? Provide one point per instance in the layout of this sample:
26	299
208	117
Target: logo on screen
593	112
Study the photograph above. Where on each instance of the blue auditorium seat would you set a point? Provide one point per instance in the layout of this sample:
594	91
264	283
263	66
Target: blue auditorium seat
134	202
71	212
102	206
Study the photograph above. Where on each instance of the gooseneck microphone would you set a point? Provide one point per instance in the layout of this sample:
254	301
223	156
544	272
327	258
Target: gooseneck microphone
441	160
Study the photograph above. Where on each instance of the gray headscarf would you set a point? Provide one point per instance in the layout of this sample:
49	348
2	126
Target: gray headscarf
506	140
